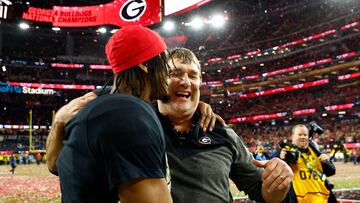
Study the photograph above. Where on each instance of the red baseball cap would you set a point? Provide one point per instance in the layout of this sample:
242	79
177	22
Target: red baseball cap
132	45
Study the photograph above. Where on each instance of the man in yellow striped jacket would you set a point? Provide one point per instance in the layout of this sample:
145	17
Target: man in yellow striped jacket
310	170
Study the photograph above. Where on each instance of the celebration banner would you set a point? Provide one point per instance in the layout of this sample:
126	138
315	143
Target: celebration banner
118	13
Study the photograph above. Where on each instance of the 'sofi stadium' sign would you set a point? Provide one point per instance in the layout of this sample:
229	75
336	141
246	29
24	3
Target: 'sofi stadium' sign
7	88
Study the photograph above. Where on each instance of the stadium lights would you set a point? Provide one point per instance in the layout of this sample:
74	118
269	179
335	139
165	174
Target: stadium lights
101	30
196	23
3	68
342	112
24	26
218	21
55	28
169	25
324	115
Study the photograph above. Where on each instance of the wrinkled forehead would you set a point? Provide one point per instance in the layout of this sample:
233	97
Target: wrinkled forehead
184	58
178	63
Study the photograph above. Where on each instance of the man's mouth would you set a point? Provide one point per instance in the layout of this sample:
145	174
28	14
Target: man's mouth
183	94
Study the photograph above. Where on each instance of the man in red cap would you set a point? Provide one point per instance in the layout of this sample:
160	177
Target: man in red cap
114	148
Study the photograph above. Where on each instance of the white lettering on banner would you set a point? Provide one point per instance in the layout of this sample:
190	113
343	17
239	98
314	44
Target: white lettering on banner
28	90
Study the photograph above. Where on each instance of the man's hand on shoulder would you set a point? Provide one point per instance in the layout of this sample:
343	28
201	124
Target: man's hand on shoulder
208	117
68	111
54	141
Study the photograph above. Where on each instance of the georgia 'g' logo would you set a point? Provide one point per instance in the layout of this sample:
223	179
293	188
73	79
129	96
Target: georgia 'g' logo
205	140
132	10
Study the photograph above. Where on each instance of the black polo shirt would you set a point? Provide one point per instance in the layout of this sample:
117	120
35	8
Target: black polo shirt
201	164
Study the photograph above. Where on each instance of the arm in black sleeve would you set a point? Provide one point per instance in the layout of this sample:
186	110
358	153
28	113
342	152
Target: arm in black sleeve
245	175
328	168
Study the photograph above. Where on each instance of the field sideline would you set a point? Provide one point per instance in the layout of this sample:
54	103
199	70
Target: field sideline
32	183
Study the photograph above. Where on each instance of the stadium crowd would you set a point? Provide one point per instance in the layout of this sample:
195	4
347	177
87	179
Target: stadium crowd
30	61
249	41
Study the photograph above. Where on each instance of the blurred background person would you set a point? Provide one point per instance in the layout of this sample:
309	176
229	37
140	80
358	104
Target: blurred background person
12	164
261	153
310	167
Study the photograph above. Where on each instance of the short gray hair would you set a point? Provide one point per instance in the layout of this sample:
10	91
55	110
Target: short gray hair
186	56
298	126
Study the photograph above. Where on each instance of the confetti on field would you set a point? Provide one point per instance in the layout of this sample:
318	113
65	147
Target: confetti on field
30	184
34	184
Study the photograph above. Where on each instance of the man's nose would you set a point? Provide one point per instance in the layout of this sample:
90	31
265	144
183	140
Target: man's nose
185	81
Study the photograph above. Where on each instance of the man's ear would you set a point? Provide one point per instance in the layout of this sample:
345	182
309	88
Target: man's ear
143	67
